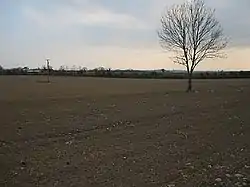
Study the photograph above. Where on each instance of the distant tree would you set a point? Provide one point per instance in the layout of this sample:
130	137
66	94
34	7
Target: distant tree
95	71
25	69
192	32
62	68
153	73
74	68
79	69
84	69
43	67
1	69
109	72
101	69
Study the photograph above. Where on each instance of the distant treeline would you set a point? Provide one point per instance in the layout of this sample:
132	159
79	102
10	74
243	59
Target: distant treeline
102	72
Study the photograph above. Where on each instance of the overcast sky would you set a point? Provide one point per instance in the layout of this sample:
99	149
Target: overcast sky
108	33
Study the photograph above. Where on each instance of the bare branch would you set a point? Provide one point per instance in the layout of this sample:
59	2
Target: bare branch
192	32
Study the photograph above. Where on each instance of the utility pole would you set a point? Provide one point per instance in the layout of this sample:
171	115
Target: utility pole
48	68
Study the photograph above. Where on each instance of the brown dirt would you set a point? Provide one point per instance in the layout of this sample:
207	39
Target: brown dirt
120	132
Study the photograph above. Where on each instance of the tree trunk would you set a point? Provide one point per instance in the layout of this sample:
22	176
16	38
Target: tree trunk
189	89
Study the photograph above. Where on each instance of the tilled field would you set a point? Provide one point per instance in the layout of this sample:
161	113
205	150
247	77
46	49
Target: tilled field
123	132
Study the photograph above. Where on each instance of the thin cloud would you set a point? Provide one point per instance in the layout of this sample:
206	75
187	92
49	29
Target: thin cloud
95	16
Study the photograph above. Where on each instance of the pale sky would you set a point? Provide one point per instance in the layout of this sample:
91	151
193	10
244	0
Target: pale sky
108	33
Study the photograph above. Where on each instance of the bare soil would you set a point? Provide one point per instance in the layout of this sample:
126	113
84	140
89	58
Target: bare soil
123	132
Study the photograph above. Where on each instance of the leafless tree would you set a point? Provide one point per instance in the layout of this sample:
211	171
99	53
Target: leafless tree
62	68
84	69
192	32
